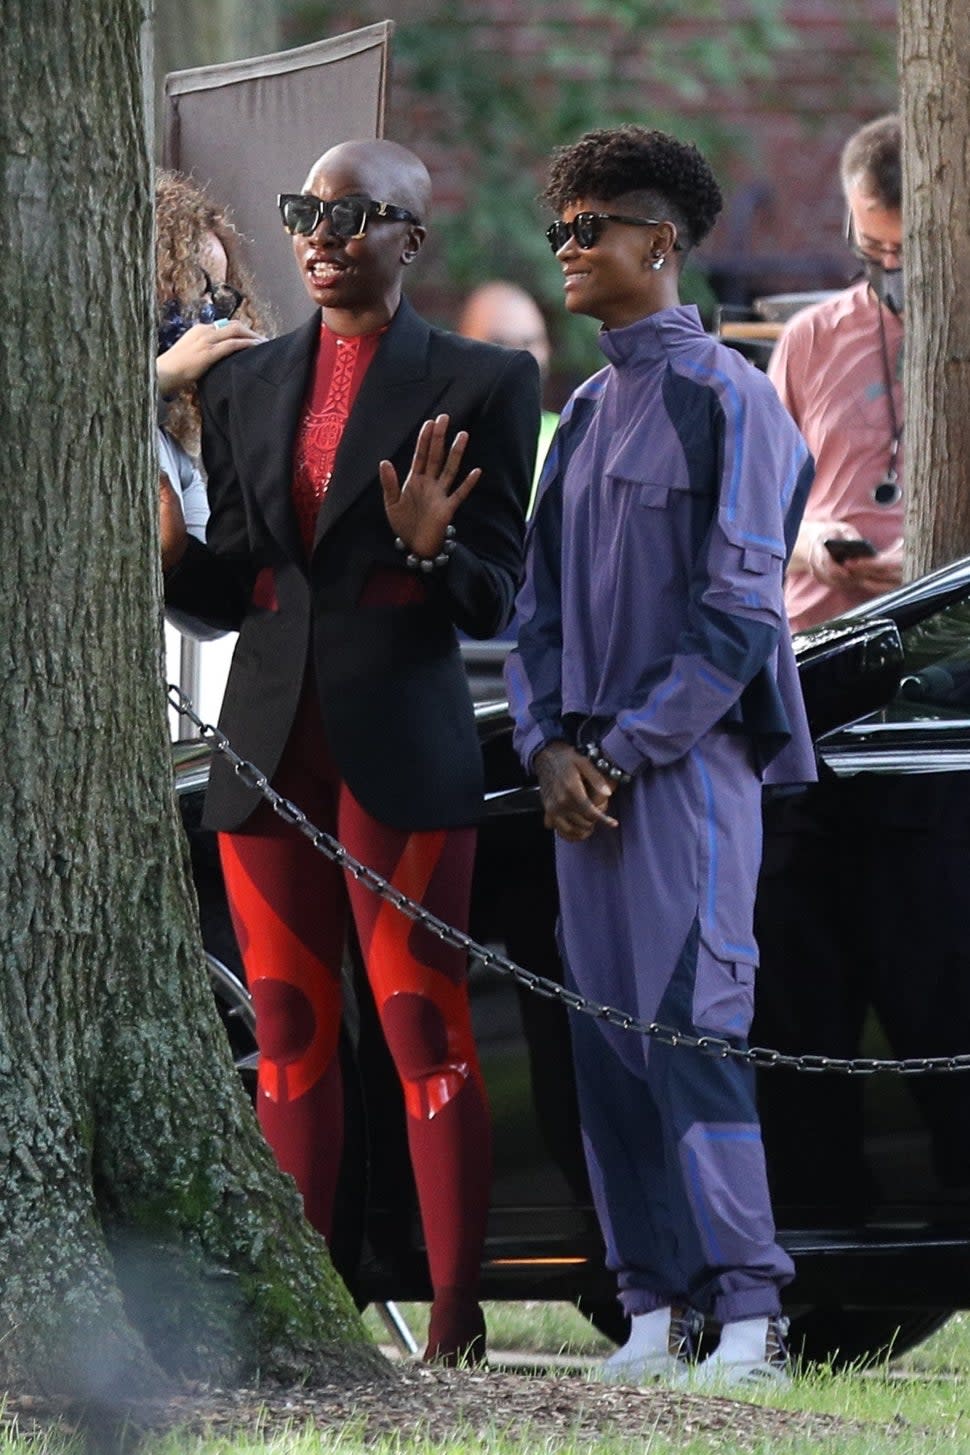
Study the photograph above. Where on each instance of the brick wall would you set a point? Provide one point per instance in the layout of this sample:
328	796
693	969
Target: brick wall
784	208
782	224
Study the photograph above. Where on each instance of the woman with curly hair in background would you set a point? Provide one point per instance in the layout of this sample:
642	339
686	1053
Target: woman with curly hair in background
204	311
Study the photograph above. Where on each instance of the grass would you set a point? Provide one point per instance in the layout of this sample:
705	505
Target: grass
913	1405
559	1328
922	1394
947	1352
526	1328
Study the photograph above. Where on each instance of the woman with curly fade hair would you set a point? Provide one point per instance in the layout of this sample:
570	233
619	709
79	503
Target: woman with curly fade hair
654	690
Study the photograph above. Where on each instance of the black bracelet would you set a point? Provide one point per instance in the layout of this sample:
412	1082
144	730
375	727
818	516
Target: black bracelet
607	767
429	563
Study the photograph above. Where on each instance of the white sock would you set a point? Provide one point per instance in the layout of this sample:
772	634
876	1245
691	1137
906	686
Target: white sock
648	1336
742	1342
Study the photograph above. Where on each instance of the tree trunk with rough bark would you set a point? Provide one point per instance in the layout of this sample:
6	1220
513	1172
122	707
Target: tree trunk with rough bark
934	44
144	1230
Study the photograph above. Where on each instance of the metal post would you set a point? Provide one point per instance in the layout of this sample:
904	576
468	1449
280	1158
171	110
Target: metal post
190	678
396	1325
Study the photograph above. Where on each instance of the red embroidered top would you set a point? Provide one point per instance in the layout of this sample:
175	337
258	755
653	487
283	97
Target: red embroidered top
338	373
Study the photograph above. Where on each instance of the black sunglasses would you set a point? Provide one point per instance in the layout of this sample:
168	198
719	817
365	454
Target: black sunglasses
347	216
587	228
875	254
225	300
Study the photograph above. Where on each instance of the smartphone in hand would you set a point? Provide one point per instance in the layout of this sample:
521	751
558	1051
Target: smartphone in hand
842	551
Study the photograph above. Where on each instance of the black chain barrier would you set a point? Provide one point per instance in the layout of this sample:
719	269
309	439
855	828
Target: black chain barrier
327	845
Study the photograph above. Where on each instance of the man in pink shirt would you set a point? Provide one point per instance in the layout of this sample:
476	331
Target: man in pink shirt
837	369
862	898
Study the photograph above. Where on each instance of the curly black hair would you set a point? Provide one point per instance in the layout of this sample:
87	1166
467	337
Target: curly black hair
632	159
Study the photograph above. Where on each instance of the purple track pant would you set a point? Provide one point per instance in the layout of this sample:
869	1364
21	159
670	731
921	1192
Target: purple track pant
657	919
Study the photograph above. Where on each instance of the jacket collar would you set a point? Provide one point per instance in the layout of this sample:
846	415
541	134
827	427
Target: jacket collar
652	337
397	393
271	388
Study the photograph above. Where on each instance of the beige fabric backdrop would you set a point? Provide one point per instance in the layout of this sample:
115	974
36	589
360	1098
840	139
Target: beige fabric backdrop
250	129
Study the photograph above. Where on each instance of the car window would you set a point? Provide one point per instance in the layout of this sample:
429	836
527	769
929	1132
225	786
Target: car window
936	665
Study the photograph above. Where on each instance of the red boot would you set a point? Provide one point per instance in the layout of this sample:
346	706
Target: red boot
456	1332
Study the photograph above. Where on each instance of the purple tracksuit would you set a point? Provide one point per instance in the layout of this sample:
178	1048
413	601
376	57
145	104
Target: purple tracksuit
651	620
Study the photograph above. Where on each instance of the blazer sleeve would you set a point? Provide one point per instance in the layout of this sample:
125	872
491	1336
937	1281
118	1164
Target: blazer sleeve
479	583
214	580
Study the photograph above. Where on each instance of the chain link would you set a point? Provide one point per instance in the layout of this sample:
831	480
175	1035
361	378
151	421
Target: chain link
761	1057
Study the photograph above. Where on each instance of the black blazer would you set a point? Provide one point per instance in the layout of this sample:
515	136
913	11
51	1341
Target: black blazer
391	683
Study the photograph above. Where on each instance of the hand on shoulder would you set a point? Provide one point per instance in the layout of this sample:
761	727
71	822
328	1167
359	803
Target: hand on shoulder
201	346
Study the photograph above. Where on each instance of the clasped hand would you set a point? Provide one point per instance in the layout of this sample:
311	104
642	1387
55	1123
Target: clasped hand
575	794
420	510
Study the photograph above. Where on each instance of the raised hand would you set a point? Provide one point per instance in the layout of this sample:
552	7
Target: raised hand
420	510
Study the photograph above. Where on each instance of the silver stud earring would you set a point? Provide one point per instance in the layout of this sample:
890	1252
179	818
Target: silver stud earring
658	262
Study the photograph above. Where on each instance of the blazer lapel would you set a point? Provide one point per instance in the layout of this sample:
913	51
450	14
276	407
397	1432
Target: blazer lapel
271	407
398	392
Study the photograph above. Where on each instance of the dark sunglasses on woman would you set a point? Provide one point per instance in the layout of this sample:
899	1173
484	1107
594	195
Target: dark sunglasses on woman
347	217
224	299
587	228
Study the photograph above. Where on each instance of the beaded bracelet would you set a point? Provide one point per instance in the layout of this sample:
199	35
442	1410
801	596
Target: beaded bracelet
607	767
429	563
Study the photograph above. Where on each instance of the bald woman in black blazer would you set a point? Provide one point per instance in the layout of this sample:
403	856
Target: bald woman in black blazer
367	479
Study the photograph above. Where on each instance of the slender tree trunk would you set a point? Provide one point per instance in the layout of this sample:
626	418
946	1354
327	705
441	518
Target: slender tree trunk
934	47
144	1230
205	32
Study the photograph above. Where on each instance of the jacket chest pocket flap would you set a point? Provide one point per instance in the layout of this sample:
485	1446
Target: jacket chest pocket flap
654	479
654	493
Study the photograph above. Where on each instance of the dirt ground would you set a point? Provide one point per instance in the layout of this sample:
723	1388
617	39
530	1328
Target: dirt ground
439	1403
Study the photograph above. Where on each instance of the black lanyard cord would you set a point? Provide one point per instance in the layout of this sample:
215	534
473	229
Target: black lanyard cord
895	427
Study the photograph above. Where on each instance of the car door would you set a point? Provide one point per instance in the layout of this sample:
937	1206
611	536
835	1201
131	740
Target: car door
862	915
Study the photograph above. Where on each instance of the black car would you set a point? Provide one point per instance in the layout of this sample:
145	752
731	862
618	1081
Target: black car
871	1175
